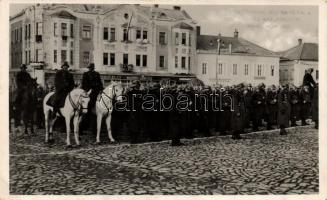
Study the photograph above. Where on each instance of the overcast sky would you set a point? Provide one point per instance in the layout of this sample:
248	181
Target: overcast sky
273	27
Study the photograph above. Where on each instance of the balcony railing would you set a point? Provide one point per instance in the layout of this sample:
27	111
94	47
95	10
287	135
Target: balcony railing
126	68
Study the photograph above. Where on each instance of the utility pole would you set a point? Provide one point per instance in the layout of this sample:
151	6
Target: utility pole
217	55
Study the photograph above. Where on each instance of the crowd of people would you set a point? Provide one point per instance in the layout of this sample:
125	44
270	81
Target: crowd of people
235	109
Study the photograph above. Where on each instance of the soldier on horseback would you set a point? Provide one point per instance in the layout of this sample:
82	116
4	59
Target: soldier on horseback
92	80
64	83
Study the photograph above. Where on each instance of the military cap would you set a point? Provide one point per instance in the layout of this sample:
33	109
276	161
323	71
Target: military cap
135	83
65	64
91	65
23	66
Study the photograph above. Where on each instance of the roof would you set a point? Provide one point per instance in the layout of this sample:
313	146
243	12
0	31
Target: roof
208	43
303	51
151	12
183	25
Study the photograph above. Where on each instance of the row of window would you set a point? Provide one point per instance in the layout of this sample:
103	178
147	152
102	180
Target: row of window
64	29
183	42
183	62
16	35
63	54
220	69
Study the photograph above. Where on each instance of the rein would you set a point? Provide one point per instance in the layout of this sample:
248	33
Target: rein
110	98
78	106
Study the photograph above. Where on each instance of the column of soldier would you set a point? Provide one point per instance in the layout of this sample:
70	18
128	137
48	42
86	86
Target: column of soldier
240	108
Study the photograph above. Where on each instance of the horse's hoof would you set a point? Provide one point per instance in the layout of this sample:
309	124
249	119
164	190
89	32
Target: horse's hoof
97	143
78	146
113	142
69	146
51	141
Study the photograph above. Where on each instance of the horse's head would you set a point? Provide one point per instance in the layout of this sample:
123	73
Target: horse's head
84	101
117	91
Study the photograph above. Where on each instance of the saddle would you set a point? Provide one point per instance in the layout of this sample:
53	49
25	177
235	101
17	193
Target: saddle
56	100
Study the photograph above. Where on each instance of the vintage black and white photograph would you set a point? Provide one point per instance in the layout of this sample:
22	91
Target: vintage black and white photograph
163	99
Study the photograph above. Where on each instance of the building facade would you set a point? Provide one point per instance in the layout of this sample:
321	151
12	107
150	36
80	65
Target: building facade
236	61
119	39
296	60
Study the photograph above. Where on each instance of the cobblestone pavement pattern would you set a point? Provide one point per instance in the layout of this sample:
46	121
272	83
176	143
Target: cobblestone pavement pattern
262	163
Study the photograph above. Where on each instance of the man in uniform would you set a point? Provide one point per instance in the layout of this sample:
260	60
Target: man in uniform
23	79
64	83
258	102
91	80
283	110
272	106
134	106
295	105
305	104
308	81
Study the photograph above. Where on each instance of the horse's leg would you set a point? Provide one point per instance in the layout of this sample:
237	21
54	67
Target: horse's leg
99	120
67	119
77	120
25	121
52	121
46	123
108	122
32	123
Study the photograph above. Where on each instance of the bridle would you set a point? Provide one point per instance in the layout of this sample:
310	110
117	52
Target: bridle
77	107
107	96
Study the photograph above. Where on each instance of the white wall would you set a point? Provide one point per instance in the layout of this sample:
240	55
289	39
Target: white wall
228	78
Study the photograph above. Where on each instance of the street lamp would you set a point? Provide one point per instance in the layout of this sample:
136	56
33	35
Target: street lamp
218	52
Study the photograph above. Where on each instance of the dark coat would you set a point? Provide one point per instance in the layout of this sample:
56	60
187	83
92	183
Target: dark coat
308	80
64	83
295	105
283	109
305	98
23	79
315	105
272	107
92	80
237	118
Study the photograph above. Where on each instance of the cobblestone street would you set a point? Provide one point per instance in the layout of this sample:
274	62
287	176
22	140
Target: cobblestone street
261	163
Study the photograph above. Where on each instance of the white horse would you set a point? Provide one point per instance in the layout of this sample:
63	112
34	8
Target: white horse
104	107
76	104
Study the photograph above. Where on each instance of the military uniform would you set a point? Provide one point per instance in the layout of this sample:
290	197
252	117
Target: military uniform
308	81
283	110
23	79
315	107
92	80
305	97
64	83
237	118
295	106
258	104
272	108
134	107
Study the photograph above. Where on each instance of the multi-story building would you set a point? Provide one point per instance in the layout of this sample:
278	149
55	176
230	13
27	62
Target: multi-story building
147	40
296	60
233	60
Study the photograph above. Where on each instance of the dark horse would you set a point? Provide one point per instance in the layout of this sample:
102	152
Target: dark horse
25	109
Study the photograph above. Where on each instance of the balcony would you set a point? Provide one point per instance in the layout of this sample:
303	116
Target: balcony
38	38
127	68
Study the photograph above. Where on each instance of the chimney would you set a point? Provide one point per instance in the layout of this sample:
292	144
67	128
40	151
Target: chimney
156	5
198	30
177	7
230	48
300	41
236	33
